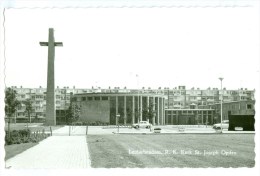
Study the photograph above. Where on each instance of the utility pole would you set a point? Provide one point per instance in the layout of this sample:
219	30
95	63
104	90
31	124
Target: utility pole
221	103
168	98
65	107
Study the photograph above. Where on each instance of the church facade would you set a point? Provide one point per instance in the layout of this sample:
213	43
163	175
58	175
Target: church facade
121	108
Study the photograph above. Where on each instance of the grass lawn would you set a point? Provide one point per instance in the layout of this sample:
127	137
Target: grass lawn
12	150
174	150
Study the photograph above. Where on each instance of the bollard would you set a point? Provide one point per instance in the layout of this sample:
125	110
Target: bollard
37	135
69	130
118	128
86	130
51	130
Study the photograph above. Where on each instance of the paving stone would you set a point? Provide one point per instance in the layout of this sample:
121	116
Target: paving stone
55	152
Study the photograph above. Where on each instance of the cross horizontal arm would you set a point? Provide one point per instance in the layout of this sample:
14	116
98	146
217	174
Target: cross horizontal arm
58	44
44	43
55	43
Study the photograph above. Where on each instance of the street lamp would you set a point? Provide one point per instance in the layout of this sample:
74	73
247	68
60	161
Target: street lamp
117	119
221	79
154	114
138	99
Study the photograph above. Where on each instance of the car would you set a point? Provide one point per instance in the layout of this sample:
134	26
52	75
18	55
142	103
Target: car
225	125
142	124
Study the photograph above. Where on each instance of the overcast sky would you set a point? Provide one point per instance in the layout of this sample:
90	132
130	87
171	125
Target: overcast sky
165	47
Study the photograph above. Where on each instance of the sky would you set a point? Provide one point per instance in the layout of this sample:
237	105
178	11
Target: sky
135	47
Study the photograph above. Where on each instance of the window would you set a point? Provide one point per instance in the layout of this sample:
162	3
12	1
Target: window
104	98
90	98
38	108
97	98
248	106
83	98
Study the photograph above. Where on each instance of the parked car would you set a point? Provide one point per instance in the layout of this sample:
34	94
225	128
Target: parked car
225	125
142	124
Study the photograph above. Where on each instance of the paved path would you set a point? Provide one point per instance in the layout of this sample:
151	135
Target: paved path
55	152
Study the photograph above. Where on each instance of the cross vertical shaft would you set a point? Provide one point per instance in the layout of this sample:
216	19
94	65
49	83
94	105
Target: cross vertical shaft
50	118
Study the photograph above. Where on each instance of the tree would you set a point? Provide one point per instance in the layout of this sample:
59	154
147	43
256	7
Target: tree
137	115
129	115
28	109
11	102
145	114
73	113
150	112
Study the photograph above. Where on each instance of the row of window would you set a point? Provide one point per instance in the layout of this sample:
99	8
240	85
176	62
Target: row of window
92	98
33	114
204	115
188	112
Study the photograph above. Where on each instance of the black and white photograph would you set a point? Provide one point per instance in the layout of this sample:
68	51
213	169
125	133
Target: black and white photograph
158	86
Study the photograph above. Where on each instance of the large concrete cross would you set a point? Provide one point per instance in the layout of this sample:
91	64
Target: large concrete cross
50	99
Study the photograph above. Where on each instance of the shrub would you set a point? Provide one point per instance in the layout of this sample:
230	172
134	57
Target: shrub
23	136
95	123
77	123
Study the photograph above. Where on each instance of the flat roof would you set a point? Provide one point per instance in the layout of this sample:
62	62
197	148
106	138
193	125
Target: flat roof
119	93
189	109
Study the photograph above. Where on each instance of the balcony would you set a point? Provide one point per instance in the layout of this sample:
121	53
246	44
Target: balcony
39	110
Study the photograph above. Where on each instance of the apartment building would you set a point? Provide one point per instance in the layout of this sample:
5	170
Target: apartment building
174	98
